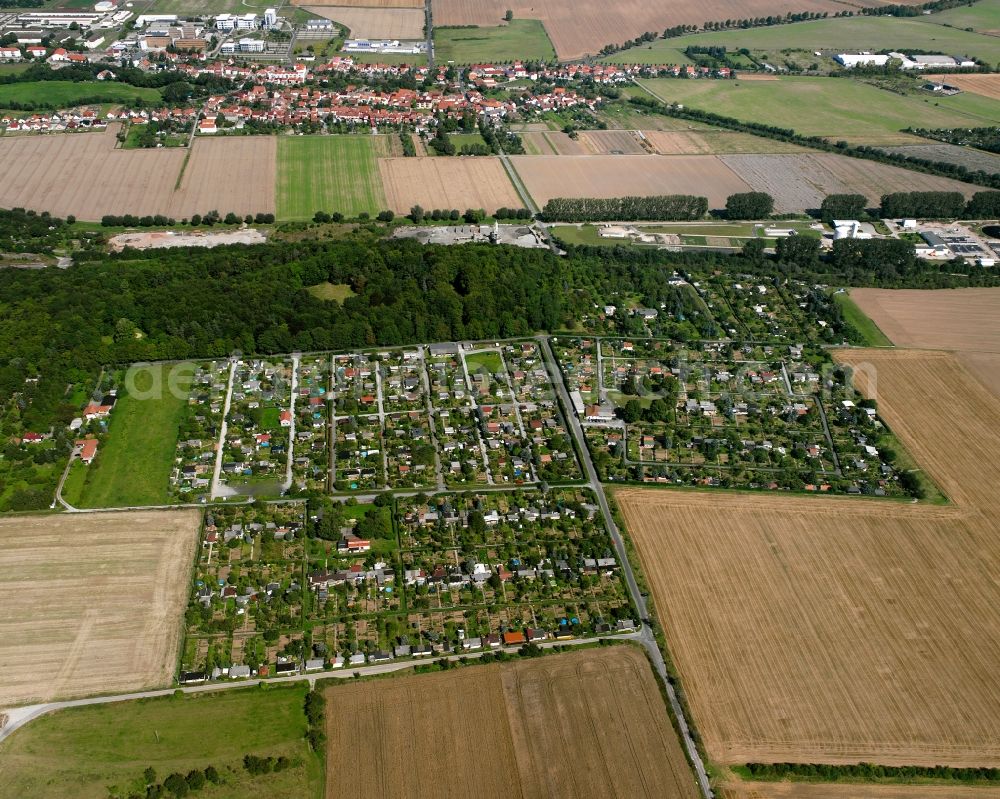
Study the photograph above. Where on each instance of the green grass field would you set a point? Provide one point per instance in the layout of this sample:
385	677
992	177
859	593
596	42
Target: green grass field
63	93
489	361
328	173
838	108
86	752
844	34
860	321
389	58
331	292
133	465
523	39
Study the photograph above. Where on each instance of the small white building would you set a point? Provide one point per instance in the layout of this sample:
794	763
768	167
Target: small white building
251	46
851	60
270	18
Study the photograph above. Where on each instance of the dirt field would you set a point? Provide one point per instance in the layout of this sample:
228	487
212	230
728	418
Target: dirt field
223	174
580	28
583	724
363	3
611	176
612	142
447	183
163	240
799	790
711	142
840	630
987	85
947	319
375	23
91	603
229	174
800	182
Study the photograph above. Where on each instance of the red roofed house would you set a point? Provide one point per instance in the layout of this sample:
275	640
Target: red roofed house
513	638
88	449
286	418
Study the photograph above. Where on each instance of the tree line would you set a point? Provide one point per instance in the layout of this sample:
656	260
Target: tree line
665	207
868	772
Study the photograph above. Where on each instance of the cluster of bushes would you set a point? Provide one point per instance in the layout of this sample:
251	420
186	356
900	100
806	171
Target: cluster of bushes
177	784
471	216
941	204
665	207
409	148
868	772
256	766
512	213
315	709
209	219
749	205
981	138
499	139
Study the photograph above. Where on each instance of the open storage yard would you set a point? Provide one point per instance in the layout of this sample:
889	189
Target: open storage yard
91	603
447	183
551	176
585	724
579	29
843	630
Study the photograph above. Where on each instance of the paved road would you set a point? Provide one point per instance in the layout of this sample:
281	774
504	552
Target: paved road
647	638
19	716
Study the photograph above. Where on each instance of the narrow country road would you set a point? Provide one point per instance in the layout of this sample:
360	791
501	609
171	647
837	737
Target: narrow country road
647	638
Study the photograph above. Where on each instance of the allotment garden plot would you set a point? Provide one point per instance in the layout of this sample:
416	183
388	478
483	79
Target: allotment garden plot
328	585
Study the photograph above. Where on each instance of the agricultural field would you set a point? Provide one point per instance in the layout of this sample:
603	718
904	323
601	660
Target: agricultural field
91	603
985	85
60	94
612	142
886	619
329	173
375	23
846	34
522	39
363	3
968	157
225	175
578	29
714	142
836	108
446	183
102	750
736	789
135	458
228	174
947	319
551	176
535	732
800	182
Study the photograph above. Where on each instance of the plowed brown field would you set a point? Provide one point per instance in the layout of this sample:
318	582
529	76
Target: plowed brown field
91	602
839	630
84	175
546	176
440	182
584	724
580	27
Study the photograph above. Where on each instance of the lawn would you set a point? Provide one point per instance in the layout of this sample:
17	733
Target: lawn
328	173
389	58
586	235
838	108
849	34
489	360
860	321
133	465
520	39
84	752
64	93
331	292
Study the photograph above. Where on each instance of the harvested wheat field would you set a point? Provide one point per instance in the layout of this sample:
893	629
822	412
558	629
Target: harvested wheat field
583	724
92	602
803	790
375	23
436	182
800	182
231	174
546	177
714	142
612	142
988	85
842	630
83	174
584	27
947	319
